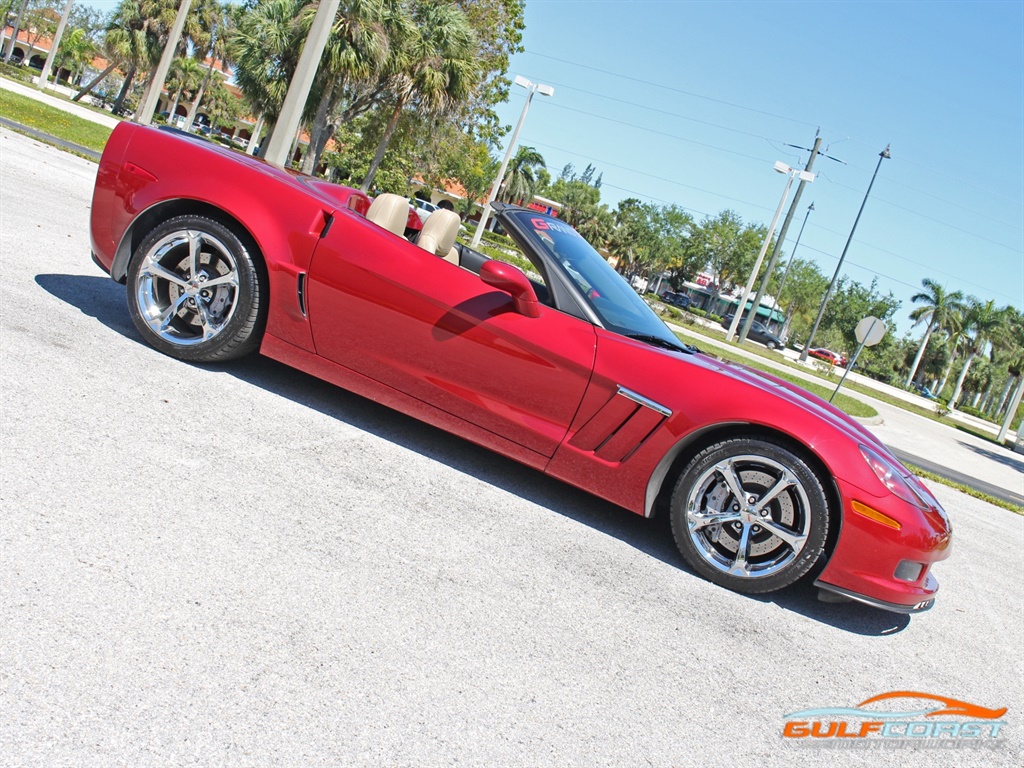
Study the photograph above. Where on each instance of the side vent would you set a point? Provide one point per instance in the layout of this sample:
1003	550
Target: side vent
300	289
621	426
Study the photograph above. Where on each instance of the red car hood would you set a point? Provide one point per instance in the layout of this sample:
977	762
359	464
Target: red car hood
801	397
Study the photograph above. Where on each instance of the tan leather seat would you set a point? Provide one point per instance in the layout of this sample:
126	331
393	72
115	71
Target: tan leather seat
391	212
438	234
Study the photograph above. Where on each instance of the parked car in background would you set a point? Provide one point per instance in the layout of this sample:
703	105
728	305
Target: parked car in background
423	208
680	300
758	333
828	356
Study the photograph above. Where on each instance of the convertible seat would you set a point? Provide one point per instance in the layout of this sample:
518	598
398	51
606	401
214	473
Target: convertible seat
391	212
438	234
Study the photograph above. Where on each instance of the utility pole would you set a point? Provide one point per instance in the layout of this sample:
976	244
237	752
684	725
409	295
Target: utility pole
54	45
778	243
800	234
883	155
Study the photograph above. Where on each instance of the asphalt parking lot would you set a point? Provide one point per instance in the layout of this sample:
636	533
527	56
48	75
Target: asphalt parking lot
240	565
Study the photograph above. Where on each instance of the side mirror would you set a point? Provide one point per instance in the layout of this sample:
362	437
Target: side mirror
512	281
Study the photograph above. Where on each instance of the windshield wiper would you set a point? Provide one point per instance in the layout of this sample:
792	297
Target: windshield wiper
658	341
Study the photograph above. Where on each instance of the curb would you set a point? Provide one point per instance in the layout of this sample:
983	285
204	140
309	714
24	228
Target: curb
92	154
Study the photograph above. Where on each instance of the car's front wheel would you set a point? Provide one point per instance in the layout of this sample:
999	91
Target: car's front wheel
750	515
194	291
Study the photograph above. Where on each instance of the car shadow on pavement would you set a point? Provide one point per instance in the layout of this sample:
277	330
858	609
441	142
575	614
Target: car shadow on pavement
103	299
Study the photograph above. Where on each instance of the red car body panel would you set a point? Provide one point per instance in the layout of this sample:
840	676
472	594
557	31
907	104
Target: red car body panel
369	311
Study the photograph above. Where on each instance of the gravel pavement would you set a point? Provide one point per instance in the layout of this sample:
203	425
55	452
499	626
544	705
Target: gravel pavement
240	565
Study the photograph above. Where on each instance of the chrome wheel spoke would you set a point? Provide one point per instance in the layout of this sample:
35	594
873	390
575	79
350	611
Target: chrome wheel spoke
727	469
204	319
794	540
739	565
195	240
698	520
156	270
169	313
231	278
786	481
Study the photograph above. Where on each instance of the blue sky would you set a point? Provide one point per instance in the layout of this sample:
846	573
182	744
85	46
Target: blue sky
692	102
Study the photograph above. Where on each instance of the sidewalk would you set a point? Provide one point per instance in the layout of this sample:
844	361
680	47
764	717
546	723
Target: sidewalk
938	445
47	98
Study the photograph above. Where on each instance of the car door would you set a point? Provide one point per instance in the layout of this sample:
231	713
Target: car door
383	307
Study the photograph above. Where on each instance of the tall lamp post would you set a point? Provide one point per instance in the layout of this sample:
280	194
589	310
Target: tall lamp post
544	90
883	155
785	275
780	167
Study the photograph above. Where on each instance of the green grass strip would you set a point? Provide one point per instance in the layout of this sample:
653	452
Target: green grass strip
56	122
847	405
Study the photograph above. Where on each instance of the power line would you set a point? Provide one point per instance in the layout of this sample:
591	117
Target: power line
670	88
869	270
759	112
659	133
658	111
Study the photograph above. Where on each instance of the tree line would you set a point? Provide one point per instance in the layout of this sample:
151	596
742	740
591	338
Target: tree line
406	90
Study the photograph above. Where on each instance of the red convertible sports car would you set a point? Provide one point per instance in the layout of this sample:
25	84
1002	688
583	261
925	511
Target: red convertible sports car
566	369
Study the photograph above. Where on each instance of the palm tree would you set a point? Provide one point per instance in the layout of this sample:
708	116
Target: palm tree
520	182
184	77
983	320
435	68
126	44
216	21
937	311
596	225
75	52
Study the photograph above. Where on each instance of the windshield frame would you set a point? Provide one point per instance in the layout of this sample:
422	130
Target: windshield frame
620	310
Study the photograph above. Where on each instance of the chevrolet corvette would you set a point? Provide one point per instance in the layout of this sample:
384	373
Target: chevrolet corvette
563	368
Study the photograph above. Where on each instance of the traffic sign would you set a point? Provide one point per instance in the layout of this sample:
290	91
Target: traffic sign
869	331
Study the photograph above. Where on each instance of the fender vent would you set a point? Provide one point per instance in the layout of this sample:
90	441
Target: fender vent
620	427
300	290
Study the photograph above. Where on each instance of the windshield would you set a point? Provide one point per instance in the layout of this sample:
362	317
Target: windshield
617	305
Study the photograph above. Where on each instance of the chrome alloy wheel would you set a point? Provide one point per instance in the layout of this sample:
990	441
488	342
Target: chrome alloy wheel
748	516
187	287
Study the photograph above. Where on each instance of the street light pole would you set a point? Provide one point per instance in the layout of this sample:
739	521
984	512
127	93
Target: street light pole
785	275
883	155
545	90
781	168
782	238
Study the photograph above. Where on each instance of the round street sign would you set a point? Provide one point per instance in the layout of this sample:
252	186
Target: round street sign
870	331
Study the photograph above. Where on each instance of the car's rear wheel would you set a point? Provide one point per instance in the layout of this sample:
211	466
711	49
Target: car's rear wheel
750	515
195	292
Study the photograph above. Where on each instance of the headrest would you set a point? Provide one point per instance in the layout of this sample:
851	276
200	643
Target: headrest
439	231
389	211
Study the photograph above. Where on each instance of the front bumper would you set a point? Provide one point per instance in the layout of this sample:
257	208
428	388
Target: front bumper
868	554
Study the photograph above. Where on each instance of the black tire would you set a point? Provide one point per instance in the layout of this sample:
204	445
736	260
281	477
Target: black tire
195	291
770	344
781	539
